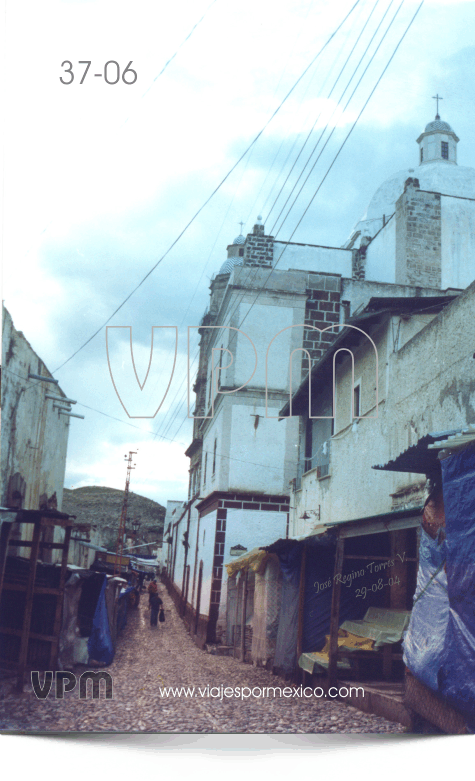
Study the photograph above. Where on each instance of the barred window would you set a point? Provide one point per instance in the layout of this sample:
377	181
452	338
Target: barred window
445	150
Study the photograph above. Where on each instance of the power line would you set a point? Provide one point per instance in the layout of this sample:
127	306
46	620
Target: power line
213	193
169	439
340	148
142	96
256	271
344	109
176	52
320	113
334	85
342	145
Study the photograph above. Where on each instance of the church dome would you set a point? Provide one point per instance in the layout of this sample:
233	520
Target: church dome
239	239
438	124
437	172
435	176
229	264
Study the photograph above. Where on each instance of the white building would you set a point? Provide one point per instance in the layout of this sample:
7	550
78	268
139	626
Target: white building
418	231
262	329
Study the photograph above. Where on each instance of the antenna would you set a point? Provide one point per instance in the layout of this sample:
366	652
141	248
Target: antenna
123	515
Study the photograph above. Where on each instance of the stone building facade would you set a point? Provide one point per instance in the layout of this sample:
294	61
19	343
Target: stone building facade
35	430
276	308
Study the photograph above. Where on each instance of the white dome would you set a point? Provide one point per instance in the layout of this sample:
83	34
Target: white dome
438	124
437	176
229	264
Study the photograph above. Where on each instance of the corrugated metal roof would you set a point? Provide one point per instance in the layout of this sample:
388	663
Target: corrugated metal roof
417	458
456	440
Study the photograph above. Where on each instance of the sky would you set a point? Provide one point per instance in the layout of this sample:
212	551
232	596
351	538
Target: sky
102	182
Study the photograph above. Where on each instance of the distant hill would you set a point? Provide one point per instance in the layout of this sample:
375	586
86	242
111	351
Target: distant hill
101	506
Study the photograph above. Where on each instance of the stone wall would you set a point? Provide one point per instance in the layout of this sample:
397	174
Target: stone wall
418	237
322	310
258	249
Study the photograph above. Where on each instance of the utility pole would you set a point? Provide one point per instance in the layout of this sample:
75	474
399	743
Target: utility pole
123	515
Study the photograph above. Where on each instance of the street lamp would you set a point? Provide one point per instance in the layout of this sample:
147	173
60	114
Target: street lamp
135	525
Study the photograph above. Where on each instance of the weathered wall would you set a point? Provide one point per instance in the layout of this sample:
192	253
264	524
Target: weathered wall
34	436
426	383
418	237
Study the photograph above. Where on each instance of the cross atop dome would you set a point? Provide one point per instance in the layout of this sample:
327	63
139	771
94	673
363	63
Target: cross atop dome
437	98
438	142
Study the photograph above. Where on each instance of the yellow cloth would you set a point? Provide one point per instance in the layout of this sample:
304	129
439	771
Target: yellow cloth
345	640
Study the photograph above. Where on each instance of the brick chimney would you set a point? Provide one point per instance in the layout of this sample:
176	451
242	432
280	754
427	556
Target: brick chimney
418	237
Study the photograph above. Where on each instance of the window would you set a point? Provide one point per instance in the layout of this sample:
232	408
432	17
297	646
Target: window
422	155
204	470
214	455
241	253
445	150
220	365
308	445
356	401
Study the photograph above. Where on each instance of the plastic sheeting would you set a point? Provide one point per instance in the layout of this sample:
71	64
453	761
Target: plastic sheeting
100	646
72	647
383	625
424	640
265	620
439	647
122	608
457	669
286	642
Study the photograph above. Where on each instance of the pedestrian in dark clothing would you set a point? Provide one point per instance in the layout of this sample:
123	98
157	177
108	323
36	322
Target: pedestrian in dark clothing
152	589
155	605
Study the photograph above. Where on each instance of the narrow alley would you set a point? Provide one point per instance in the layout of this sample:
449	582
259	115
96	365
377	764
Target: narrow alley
150	658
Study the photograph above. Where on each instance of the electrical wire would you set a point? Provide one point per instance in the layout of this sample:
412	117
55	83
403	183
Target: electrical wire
320	113
213	193
343	143
256	271
341	147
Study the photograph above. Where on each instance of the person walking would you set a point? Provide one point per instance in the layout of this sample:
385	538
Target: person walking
152	589
155	605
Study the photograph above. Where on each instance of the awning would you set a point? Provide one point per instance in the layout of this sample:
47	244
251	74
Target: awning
456	441
418	458
251	560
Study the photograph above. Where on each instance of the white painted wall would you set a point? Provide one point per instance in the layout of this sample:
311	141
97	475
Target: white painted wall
307	257
381	255
428	385
258	453
205	554
458	242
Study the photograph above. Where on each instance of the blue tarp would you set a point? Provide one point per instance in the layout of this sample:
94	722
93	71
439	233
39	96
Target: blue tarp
425	637
457	669
318	585
440	642
100	645
319	578
122	608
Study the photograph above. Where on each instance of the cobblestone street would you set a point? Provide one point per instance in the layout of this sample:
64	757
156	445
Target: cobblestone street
148	658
